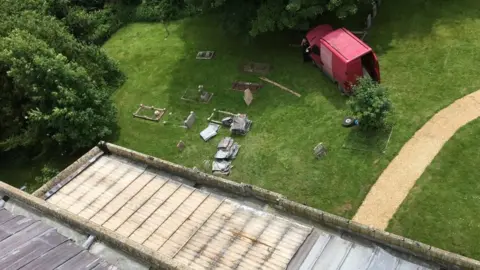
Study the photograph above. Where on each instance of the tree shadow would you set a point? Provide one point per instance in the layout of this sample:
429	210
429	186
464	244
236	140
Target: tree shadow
415	19
218	74
368	141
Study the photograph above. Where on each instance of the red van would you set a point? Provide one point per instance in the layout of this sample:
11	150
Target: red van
342	56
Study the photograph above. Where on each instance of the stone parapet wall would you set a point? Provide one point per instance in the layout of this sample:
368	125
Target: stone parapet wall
75	167
442	257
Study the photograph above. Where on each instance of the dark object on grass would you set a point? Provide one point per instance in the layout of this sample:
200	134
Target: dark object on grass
349	122
227	121
205	55
320	151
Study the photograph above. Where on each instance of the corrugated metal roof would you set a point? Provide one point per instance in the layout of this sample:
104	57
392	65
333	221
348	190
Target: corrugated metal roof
346	44
333	252
195	227
26	243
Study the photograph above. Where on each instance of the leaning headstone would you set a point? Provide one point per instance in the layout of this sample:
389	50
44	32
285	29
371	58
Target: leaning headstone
190	120
320	151
247	96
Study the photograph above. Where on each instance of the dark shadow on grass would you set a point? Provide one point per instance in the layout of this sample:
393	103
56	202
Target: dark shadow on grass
368	141
232	52
116	131
17	167
416	19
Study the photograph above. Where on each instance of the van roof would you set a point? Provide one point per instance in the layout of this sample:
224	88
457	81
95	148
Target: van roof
346	44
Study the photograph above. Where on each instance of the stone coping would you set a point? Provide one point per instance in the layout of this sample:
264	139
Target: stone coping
396	242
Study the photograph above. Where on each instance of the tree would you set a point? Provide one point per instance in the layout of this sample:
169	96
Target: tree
59	102
270	15
370	104
54	89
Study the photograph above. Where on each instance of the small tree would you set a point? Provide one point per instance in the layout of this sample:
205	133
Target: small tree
370	104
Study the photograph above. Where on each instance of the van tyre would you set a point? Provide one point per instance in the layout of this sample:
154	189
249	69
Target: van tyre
348	122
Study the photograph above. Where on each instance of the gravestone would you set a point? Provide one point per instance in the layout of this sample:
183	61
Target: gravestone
188	123
320	151
205	55
247	96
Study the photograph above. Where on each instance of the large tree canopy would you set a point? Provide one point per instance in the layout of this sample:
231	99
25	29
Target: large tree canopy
54	89
270	15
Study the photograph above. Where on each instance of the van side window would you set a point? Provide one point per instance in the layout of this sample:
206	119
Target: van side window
316	50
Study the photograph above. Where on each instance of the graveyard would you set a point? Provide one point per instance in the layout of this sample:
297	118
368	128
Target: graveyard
427	63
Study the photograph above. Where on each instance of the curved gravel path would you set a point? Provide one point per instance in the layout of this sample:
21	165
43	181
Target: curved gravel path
394	184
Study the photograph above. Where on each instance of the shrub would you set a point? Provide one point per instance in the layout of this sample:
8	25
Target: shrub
370	104
46	174
93	27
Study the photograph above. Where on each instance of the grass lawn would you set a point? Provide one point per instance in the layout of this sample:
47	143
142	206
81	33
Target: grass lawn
442	209
427	60
278	152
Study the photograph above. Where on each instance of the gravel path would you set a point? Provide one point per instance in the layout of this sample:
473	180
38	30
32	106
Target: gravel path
393	185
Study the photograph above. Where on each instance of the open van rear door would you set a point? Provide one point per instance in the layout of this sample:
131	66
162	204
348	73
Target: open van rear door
376	67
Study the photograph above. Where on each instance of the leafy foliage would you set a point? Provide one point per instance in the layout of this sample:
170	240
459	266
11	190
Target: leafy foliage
159	10
46	174
370	104
270	15
55	89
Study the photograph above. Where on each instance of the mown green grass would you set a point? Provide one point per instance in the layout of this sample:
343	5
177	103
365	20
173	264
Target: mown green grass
428	58
442	209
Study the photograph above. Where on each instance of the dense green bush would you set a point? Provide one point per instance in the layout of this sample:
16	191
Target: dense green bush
370	104
94	26
159	10
55	89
